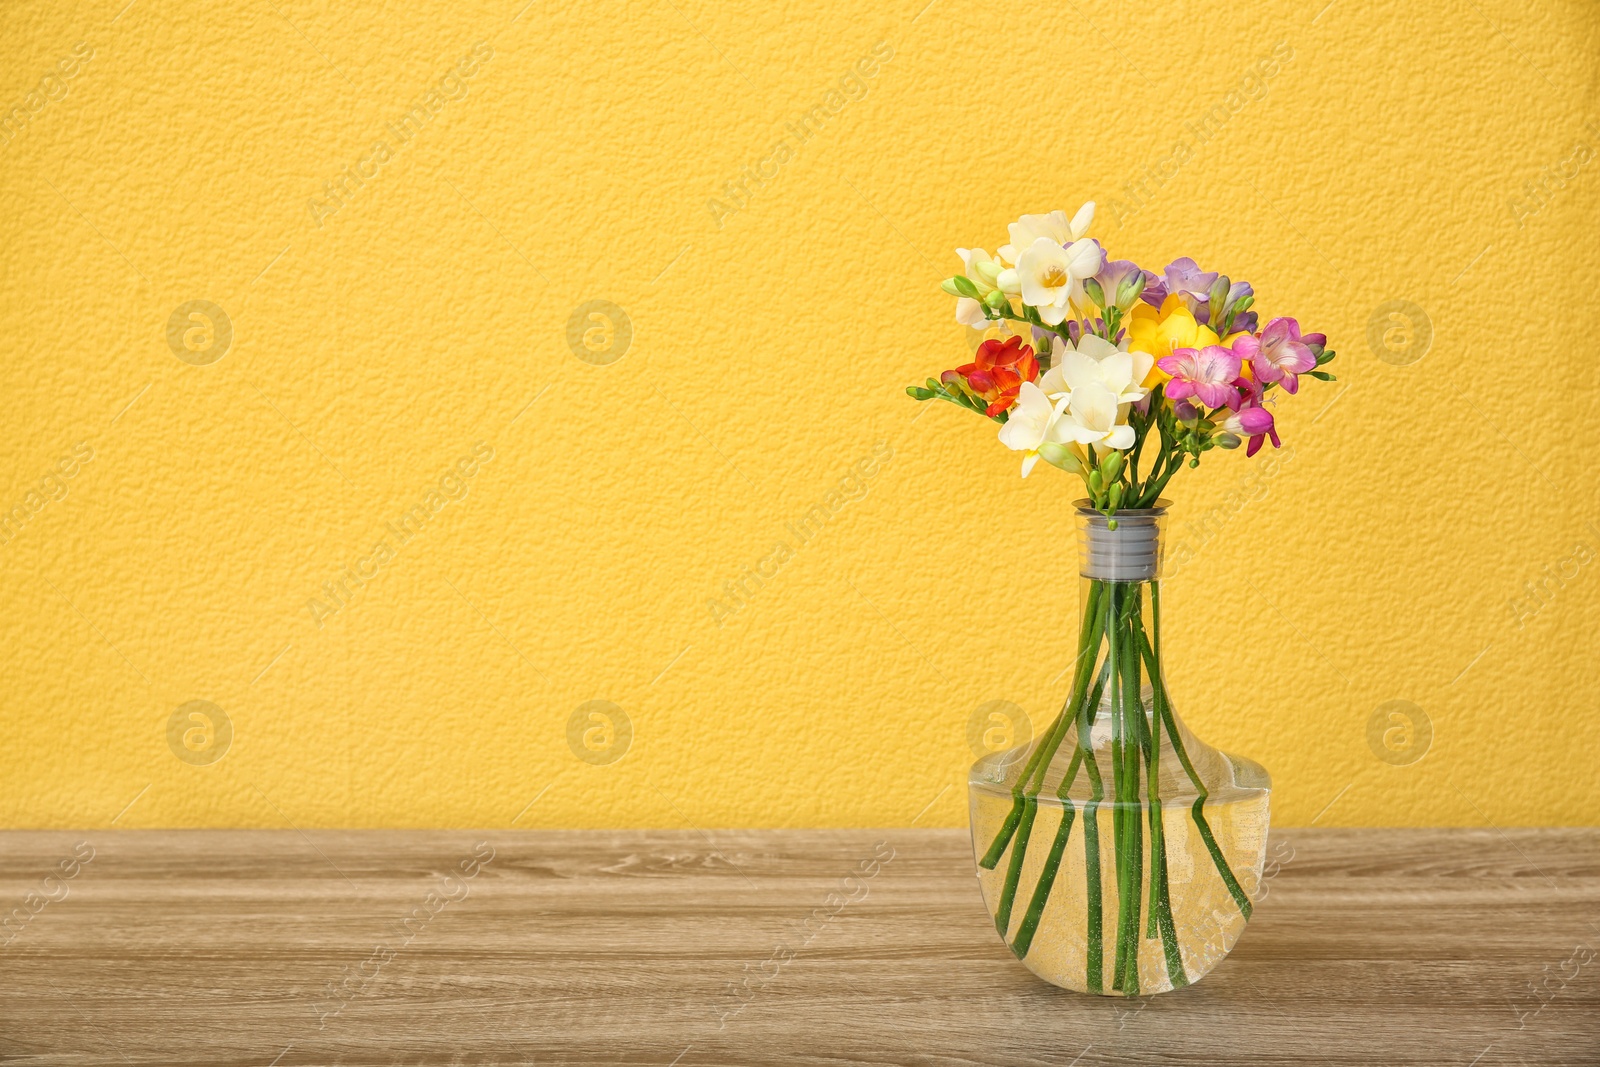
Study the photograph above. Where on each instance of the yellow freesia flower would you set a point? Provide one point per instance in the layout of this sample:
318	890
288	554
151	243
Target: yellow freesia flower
1159	332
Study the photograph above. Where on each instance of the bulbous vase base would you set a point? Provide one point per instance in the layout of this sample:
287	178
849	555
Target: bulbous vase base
1206	918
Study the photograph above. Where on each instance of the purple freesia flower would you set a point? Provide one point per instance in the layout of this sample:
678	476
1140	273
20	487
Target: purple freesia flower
1193	285
1207	373
1255	423
1115	274
1280	355
1155	289
1245	320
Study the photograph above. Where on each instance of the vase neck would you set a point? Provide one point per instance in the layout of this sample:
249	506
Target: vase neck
1124	548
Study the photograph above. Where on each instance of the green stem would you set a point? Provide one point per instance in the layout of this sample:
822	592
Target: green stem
1149	744
1160	896
1002	915
1152	657
1133	460
1047	877
1052	863
1031	317
1095	963
1153	492
1161	921
1088	642
1033	779
1119	787
1133	747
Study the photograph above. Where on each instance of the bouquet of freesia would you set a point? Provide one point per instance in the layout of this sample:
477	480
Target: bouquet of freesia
1121	376
1094	356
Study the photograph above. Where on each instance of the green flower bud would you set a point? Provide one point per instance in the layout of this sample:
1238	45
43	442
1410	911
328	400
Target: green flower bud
1226	440
1096	483
949	286
1059	455
1096	294
1111	466
1115	500
1219	293
997	300
964	286
1130	289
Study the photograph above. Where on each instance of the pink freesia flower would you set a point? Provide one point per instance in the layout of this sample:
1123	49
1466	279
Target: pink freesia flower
1206	373
1279	355
1255	423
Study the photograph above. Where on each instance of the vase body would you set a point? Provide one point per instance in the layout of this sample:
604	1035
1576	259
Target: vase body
1118	853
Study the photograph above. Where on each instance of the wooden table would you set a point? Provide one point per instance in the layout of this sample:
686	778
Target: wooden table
258	948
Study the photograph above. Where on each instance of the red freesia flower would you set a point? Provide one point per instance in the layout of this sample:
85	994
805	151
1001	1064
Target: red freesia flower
997	372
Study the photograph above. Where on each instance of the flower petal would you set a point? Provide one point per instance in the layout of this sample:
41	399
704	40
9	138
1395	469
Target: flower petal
1085	258
1121	438
1081	221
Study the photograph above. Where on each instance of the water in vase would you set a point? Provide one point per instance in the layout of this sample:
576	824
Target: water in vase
1074	934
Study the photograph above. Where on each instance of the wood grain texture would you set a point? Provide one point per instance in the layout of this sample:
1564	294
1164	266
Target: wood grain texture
258	948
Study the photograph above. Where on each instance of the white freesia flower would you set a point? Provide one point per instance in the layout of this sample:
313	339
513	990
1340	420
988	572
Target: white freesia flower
1033	421
984	272
1052	347
1092	418
970	313
980	268
1050	276
1094	359
1055	226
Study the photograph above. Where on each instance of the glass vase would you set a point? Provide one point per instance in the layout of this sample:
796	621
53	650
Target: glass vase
1118	853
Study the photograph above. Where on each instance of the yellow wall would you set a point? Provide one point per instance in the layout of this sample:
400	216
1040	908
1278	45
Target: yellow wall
572	153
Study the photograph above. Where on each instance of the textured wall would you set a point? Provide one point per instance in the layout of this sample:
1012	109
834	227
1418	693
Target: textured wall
410	328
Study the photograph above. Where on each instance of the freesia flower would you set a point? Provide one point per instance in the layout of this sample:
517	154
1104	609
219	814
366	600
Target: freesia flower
1055	226
1078	339
1245	321
1050	277
1010	352
982	271
1094	359
1093	417
969	312
1183	279
1280	355
1034	421
997	372
1161	332
1206	373
1255	423
1116	280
